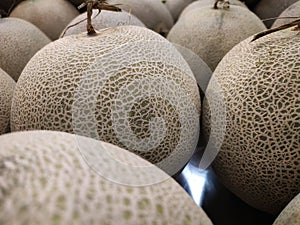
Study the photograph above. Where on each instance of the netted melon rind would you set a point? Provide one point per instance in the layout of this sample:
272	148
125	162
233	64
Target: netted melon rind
127	86
259	157
45	180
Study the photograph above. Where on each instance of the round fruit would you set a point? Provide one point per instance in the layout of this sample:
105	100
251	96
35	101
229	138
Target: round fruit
103	20
45	179
153	13
126	85
269	9
7	85
292	11
211	33
50	16
20	40
259	158
290	214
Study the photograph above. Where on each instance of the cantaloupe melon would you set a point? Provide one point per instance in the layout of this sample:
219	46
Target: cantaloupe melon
45	178
126	85
259	158
153	13
211	33
291	11
103	20
204	3
268	9
7	85
290	214
20	40
50	16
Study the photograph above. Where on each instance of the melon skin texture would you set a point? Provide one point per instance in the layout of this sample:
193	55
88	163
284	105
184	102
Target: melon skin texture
127	86
290	214
259	158
20	40
104	20
50	16
211	33
45	180
7	85
153	13
292	11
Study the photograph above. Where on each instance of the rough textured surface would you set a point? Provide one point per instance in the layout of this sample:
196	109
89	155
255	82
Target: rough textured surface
20	40
259	159
153	13
127	85
292	11
212	33
104	20
176	6
45	180
7	85
50	16
290	214
271	8
210	3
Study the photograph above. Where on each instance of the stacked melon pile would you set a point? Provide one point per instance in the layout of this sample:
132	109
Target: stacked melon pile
137	87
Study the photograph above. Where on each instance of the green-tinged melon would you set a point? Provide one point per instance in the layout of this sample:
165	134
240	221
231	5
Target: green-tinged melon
268	10
50	16
259	158
49	178
153	13
7	85
211	33
290	14
20	40
126	85
290	215
104	20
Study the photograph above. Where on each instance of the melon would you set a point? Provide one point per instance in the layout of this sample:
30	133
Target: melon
204	3
290	214
211	33
292	11
20	40
46	178
270	9
103	20
153	13
50	16
176	6
7	85
126	85
259	156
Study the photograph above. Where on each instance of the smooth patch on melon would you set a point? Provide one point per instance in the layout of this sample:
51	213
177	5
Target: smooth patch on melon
288	15
126	85
20	40
259	158
7	85
46	179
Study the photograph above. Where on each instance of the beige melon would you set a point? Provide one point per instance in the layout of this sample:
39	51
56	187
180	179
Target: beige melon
46	178
290	214
20	40
7	85
291	11
176	6
204	3
259	157
50	16
269	9
103	20
153	13
211	33
126	85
